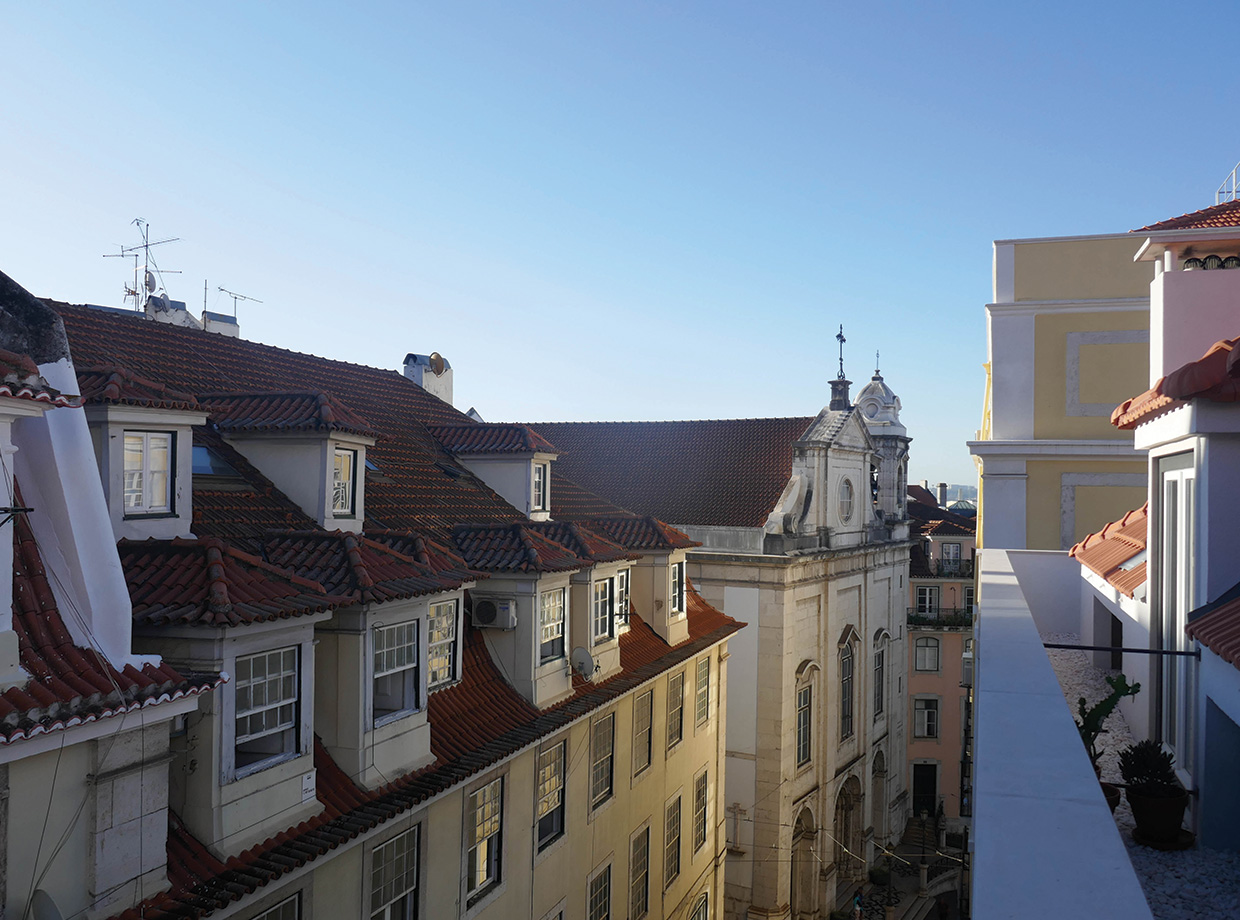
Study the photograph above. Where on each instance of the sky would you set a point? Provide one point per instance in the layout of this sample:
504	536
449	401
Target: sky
605	210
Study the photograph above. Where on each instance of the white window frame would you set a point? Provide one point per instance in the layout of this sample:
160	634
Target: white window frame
676	587
602	610
278	911
598	894
489	796
552	623
344	482
927	654
540	490
623	578
409	671
969	598
549	794
675	709
926	717
602	760
672	824
805	725
639	871
449	610
287	729
701	810
387	872
847	499
148	503
701	692
643	734
928	597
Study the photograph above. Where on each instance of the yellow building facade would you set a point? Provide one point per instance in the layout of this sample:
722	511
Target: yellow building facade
1067	338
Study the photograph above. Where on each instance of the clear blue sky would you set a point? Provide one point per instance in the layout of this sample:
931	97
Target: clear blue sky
607	210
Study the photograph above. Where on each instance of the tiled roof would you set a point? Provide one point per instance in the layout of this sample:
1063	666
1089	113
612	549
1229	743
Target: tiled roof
925	496
422	485
1217	626
728	472
1109	552
939	522
105	383
357	567
584	542
206	582
20	379
514	548
475	723
297	412
572	502
70	685
1226	214
491	438
641	532
1214	376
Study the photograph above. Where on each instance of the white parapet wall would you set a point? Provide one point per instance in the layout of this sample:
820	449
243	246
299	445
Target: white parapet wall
1044	841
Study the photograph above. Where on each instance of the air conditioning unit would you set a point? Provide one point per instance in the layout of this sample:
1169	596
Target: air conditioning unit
966	669
495	612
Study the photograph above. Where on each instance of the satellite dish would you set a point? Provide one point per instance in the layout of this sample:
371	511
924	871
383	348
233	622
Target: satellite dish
437	364
43	907
150	283
583	663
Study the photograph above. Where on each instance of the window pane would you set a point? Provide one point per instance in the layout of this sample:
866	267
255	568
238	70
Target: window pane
599	905
701	793
394	871
675	708
643	711
601	760
441	643
671	844
551	624
702	692
639	875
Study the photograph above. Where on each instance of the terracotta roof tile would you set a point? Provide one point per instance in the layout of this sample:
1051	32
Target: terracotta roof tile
206	582
475	723
104	383
491	438
1226	214
20	379
1218	627
70	685
514	548
583	541
311	411
1110	552
643	533
1214	376
727	472
932	520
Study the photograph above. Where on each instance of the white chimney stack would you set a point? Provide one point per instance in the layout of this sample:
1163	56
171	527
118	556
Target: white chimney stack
432	373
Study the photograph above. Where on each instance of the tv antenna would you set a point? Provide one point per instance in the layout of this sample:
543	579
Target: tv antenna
237	297
151	280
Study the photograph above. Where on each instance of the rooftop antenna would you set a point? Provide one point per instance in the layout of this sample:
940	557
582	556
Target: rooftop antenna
877	372
839	337
237	297
146	283
1228	190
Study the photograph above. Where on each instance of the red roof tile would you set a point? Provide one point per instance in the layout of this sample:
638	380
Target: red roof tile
583	541
727	472
1109	552
1214	376
1219	631
297	412
475	723
206	582
514	548
70	685
935	521
20	379
108	384
491	438
645	533
1226	214
925	496
572	502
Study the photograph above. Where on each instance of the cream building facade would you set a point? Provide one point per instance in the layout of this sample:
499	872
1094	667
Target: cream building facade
1068	338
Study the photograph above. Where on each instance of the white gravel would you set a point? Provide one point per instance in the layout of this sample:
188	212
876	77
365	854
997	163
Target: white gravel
1183	885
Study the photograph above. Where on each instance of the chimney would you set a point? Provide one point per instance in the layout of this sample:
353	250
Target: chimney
432	373
839	395
221	323
942	495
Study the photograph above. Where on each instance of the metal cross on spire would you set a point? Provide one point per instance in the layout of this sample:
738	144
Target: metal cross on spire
839	337
877	372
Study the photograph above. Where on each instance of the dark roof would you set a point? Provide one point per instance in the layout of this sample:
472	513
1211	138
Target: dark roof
491	438
311	411
583	541
1226	214
645	533
475	723
104	383
1213	376
20	379
514	548
728	472
932	520
206	582
69	684
1110	551
923	495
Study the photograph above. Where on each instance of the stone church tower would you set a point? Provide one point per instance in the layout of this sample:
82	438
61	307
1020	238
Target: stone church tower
880	409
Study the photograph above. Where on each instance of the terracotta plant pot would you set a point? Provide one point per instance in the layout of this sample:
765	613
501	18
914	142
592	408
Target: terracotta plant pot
1112	793
1158	819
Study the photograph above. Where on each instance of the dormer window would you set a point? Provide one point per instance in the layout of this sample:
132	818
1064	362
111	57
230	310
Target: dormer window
622	595
551	625
342	481
602	610
542	475
267	702
677	595
441	629
148	472
396	680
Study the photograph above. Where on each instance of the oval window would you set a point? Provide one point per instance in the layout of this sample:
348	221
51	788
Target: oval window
846	500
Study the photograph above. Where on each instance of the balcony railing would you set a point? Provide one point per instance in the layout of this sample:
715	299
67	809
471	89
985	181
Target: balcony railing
950	568
940	617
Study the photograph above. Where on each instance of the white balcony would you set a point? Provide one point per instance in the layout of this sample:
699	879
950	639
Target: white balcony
1044	841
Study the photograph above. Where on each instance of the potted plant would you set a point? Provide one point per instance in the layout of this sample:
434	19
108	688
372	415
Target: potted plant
1090	727
1158	800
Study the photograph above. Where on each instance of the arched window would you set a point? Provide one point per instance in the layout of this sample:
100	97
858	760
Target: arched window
846	500
701	909
880	675
926	654
804	702
846	692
